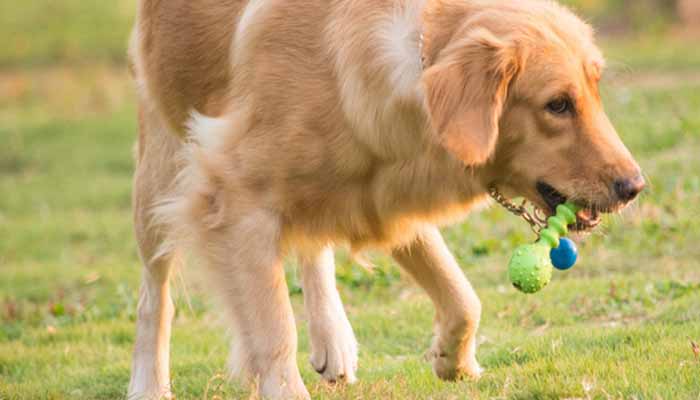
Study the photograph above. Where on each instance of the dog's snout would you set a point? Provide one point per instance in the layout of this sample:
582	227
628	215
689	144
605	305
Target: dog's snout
626	189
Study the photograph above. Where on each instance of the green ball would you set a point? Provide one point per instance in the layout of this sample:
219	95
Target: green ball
530	269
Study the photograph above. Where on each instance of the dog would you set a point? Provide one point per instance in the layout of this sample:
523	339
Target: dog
270	127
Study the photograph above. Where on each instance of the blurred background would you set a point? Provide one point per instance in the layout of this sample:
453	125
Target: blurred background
622	324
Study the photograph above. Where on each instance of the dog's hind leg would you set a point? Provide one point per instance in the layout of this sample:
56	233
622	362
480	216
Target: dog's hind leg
239	238
155	171
244	259
333	344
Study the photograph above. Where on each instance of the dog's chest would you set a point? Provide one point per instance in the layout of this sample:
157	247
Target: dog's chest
384	207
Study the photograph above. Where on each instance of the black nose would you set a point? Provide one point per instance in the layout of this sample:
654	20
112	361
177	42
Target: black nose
627	189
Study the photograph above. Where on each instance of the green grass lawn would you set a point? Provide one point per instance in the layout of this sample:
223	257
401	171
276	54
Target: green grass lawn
619	325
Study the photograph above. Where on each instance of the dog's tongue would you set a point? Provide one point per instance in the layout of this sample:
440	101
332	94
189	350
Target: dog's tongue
587	219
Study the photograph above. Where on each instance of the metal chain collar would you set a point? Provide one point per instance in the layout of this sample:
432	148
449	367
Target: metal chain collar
537	220
421	39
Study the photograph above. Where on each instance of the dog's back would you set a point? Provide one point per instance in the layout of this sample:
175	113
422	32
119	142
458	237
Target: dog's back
181	53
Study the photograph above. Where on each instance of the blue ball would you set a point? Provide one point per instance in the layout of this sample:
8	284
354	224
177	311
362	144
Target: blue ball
564	256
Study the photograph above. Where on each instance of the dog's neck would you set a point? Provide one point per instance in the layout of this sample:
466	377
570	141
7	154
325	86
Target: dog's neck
438	22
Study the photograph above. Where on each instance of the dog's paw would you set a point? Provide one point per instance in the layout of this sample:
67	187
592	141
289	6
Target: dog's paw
281	385
146	385
154	393
334	351
447	368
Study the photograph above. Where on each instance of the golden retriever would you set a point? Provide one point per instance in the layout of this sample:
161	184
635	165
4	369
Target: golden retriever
271	126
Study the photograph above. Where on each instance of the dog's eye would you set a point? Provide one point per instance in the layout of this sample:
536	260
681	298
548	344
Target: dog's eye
560	106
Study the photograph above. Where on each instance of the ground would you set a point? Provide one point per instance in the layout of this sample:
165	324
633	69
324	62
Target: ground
621	324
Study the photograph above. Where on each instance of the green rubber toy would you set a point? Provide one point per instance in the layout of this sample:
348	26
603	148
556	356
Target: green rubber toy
530	268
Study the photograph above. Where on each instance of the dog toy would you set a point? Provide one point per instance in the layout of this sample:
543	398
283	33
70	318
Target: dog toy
530	268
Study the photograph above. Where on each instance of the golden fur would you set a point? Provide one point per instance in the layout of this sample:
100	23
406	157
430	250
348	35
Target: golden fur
270	126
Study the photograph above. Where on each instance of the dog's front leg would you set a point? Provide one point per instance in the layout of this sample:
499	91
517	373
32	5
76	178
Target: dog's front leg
457	308
333	344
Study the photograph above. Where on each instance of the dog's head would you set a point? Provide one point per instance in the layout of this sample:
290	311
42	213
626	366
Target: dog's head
512	89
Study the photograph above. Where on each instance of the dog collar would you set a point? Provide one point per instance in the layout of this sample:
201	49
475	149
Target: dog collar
537	220
421	40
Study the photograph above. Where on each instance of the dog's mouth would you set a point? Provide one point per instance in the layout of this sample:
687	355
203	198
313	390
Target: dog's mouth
586	219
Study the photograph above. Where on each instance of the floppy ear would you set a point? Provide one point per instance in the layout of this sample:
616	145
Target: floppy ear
465	92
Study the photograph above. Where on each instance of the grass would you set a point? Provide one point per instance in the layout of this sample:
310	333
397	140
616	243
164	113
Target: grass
41	32
619	325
